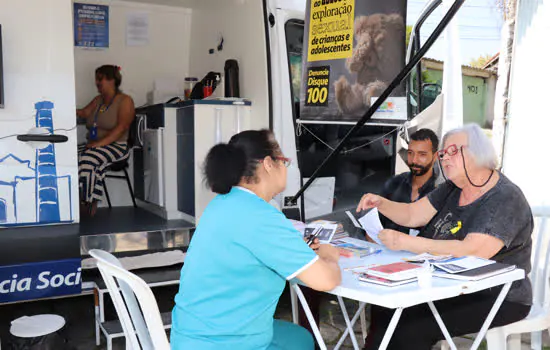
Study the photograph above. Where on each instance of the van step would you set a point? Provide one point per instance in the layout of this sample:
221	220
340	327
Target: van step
154	277
114	328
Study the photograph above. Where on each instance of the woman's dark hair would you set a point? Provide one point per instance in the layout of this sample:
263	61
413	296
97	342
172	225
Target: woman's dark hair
110	72
227	163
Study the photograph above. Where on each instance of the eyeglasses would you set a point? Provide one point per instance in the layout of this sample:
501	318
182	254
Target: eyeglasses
451	151
286	161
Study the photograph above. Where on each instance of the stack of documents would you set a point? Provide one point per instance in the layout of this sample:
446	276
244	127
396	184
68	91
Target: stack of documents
333	225
339	228
391	275
350	247
420	258
470	268
340	235
398	271
325	232
463	264
365	277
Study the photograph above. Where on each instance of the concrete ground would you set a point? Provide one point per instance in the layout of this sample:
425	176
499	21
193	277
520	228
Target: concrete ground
79	316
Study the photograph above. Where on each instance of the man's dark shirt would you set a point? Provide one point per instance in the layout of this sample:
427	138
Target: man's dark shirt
399	189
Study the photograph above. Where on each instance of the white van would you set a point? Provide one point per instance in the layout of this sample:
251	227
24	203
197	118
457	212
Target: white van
47	74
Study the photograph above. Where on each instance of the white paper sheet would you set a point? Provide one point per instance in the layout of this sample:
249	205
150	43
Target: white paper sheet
137	29
463	264
371	223
326	234
420	258
353	220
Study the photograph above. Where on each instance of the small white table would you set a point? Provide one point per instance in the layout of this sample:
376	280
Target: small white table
401	297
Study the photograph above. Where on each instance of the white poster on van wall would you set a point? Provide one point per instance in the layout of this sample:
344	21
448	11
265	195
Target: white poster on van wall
137	29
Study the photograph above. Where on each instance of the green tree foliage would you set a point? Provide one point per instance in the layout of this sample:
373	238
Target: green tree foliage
480	61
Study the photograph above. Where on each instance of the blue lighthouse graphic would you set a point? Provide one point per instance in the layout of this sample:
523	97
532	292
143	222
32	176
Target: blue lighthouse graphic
47	206
31	190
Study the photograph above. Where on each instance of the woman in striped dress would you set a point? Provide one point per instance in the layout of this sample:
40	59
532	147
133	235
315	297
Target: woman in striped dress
108	119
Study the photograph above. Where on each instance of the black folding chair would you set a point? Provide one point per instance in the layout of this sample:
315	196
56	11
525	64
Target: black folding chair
122	166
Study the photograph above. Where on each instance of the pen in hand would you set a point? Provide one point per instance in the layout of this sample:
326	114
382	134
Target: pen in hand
314	235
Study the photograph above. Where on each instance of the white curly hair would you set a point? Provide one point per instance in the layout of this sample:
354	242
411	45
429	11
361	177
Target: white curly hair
479	145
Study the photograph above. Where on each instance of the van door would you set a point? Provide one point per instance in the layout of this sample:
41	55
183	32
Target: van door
286	22
367	160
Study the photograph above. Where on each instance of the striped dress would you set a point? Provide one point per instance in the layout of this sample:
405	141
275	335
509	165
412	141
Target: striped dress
93	162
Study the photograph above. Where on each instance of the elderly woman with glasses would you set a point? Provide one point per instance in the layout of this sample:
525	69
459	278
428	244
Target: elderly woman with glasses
479	212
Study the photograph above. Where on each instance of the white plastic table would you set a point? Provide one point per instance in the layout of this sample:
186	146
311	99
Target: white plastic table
400	297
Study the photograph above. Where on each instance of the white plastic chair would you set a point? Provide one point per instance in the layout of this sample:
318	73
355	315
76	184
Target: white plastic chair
538	320
130	294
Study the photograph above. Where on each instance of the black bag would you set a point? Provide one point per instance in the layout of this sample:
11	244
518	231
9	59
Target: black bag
209	79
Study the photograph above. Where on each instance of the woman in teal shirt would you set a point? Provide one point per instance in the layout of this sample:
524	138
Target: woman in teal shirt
243	252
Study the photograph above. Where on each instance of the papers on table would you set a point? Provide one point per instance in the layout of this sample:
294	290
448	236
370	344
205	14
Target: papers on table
299	226
326	233
397	271
364	277
372	225
340	233
478	273
462	264
351	247
420	258
331	229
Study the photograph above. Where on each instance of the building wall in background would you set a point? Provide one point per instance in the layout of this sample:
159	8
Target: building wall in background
478	87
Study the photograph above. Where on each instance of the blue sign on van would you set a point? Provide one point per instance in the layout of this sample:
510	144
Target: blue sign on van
40	280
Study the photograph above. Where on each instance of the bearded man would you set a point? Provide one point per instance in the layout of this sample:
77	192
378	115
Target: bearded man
422	179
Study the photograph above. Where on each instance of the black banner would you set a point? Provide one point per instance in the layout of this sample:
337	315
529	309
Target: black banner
352	50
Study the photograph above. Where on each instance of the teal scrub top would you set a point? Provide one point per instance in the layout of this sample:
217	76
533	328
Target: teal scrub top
241	254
